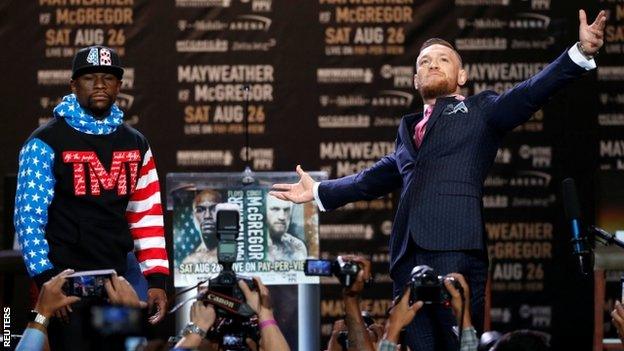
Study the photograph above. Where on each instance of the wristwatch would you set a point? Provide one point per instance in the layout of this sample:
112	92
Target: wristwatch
34	316
192	328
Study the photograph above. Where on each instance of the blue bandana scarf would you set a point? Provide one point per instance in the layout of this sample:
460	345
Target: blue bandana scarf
80	120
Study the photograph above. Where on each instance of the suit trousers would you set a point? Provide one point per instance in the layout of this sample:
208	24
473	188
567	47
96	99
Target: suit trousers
431	329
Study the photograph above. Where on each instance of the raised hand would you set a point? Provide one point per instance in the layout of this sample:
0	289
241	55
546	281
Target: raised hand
456	301
51	297
362	277
400	315
202	315
591	36
259	300
298	192
120	292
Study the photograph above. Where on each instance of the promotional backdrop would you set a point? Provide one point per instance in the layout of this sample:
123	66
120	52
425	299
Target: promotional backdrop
327	83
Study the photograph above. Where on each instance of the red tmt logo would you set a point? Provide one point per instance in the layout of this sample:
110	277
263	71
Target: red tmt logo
98	174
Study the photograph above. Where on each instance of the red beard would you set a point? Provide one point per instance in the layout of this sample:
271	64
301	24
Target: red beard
437	88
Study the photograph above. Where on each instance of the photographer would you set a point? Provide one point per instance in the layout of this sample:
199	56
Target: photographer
203	317
402	314
337	341
338	328
358	336
271	338
51	299
469	340
617	316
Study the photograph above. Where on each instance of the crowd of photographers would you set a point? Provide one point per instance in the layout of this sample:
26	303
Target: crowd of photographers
357	331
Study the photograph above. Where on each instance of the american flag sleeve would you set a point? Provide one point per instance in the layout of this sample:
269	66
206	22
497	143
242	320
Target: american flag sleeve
145	219
34	193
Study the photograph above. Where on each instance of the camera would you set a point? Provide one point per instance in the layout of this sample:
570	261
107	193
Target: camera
88	284
223	291
345	271
228	225
426	286
232	334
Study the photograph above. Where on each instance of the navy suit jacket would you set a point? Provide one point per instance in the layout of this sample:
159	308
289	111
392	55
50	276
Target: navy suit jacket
441	182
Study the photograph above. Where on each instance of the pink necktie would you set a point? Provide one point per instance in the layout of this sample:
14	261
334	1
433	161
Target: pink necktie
419	130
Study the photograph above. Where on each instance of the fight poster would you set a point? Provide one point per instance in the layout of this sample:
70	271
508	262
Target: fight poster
275	236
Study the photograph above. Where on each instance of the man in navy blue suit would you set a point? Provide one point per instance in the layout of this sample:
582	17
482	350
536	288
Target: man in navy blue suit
440	162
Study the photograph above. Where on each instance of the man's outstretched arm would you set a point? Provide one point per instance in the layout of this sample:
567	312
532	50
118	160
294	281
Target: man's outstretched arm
515	106
378	180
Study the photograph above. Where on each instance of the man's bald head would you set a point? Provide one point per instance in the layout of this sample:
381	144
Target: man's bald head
207	195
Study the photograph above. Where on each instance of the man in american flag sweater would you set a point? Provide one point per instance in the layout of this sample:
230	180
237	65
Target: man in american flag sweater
88	190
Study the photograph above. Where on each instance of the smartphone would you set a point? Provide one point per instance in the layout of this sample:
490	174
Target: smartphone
318	267
88	284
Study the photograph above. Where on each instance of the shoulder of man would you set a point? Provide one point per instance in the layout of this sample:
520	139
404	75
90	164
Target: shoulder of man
482	99
132	133
44	130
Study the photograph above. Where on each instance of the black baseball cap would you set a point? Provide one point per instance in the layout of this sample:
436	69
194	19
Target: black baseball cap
96	59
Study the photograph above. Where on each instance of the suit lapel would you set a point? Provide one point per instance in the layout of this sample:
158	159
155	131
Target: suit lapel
407	132
441	104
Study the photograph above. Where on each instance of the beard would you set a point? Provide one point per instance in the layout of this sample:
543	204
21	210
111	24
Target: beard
208	232
437	88
276	235
210	240
100	111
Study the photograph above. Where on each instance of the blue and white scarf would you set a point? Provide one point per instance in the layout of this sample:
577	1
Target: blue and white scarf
82	121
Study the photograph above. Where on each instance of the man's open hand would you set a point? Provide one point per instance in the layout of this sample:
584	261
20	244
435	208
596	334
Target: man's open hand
591	36
299	192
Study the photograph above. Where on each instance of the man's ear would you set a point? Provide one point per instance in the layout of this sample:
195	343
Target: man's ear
72	85
462	77
416	81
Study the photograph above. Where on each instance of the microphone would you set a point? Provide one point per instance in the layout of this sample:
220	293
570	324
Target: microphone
572	210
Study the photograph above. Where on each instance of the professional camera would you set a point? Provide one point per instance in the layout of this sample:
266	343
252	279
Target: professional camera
223	291
225	284
345	271
426	286
232	333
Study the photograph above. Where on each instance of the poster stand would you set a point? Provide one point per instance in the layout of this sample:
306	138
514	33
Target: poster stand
275	239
